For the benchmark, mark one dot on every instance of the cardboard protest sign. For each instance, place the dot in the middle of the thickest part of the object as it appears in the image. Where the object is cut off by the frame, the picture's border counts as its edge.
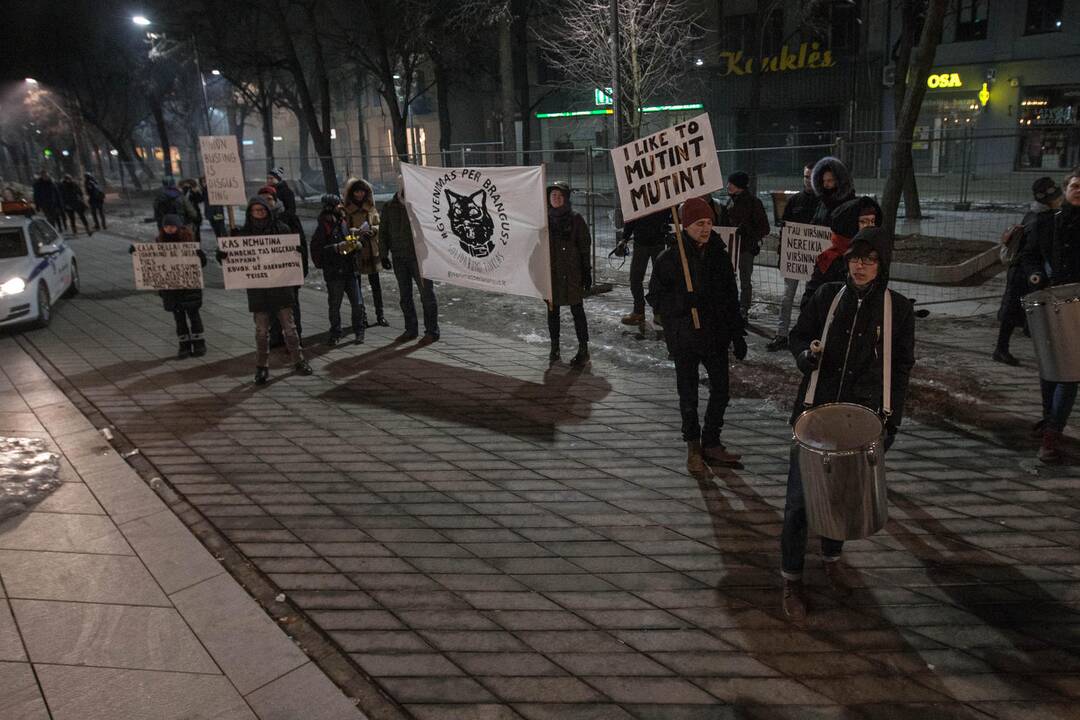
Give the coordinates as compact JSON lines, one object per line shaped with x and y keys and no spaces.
{"x":483,"y":228}
{"x":800,"y":245}
{"x":261,"y":261}
{"x":727,"y":234}
{"x":166,"y":266}
{"x":224,"y":170}
{"x":666,"y":168}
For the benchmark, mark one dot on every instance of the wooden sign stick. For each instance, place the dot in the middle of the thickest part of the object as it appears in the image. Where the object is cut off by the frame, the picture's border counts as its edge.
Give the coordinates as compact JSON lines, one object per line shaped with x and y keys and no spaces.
{"x":232,"y":217}
{"x":685,"y":265}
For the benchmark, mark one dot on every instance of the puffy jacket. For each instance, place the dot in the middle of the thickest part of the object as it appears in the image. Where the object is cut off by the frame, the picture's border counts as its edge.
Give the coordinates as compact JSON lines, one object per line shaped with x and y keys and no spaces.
{"x":830,"y":200}
{"x":357,"y":215}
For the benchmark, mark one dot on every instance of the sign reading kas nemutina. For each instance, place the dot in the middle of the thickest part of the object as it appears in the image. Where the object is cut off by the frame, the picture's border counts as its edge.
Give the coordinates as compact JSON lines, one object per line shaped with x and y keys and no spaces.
{"x":166,"y":266}
{"x":223,"y":168}
{"x":800,"y":245}
{"x":666,"y":168}
{"x":261,"y":261}
{"x":483,"y":228}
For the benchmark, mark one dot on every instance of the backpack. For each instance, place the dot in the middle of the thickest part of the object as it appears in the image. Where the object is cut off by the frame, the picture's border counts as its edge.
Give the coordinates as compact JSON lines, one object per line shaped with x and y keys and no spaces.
{"x":1010,"y":244}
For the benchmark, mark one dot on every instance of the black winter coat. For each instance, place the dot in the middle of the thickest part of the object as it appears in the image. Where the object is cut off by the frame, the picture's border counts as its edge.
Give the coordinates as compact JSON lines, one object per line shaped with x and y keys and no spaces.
{"x":186,"y":298}
{"x":1052,"y":247}
{"x":747,"y":214}
{"x":851,"y":365}
{"x":335,"y":266}
{"x":1016,"y":280}
{"x":801,"y":207}
{"x":72,"y":196}
{"x":571,"y":258}
{"x":716,"y":296}
{"x":651,"y":231}
{"x":287,"y":197}
{"x":268,"y":300}
{"x":47,"y":195}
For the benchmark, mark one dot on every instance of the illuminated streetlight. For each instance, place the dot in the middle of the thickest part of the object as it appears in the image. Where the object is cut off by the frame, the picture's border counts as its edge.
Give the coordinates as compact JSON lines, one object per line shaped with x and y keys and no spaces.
{"x":31,"y":81}
{"x":140,"y":20}
{"x":215,"y":72}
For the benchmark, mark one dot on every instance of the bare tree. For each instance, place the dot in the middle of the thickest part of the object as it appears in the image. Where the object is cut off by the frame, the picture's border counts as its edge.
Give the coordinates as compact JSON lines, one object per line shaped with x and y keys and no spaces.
{"x":656,"y":38}
{"x":914,"y":83}
{"x":912,"y":16}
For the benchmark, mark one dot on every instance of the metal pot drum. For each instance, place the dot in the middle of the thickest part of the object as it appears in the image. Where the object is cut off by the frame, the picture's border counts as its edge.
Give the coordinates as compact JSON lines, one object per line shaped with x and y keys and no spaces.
{"x":841,"y":455}
{"x":1053,"y":317}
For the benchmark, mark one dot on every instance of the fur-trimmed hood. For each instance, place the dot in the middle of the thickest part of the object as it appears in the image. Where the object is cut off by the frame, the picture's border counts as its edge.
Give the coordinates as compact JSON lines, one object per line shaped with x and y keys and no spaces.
{"x":844,"y":189}
{"x":351,"y":185}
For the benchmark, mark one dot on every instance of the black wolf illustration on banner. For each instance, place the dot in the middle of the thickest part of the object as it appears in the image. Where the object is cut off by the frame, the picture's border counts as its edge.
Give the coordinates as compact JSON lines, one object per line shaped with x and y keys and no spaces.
{"x":471,"y":223}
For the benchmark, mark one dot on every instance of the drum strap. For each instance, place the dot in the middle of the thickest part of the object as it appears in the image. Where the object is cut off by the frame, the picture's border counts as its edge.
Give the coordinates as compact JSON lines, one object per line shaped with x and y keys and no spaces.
{"x":886,"y":357}
{"x":811,"y":389}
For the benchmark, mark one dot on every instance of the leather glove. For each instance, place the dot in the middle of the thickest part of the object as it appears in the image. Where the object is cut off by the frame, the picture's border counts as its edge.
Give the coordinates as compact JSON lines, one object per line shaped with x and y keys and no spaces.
{"x":339,"y":248}
{"x":738,"y":345}
{"x":220,"y":255}
{"x":386,"y":264}
{"x":202,"y":257}
{"x":586,"y":278}
{"x":131,"y":249}
{"x":807,"y":361}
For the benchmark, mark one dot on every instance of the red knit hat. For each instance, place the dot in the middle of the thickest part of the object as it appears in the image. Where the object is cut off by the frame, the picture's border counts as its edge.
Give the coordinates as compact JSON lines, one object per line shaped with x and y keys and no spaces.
{"x":268,"y":190}
{"x":695,"y":209}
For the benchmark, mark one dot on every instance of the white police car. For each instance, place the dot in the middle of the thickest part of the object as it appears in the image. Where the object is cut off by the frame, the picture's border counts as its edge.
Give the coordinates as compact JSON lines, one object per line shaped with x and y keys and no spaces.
{"x":37,"y":266}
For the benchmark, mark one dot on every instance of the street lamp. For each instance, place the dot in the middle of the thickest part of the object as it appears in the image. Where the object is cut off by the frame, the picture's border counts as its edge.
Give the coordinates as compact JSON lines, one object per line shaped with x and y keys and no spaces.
{"x":140,"y":20}
{"x":143,"y":21}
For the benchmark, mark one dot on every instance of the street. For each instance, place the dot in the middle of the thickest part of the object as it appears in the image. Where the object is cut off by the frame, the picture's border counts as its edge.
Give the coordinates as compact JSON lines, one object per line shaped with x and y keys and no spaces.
{"x":480,"y":536}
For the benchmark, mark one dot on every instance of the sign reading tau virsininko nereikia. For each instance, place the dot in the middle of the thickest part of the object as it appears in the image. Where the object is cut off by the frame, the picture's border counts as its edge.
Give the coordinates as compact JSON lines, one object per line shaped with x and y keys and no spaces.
{"x":666,"y":168}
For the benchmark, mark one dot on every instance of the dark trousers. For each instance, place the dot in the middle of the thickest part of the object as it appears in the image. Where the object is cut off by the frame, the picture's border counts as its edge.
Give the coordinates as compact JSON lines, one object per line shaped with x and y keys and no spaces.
{"x":336,"y":290}
{"x":71,"y":220}
{"x":188,"y":325}
{"x":376,"y":294}
{"x":746,"y":274}
{"x":581,"y":326}
{"x":639,"y":260}
{"x":407,"y":273}
{"x":1058,"y":399}
{"x":793,"y":535}
{"x":1005,"y":334}
{"x":98,"y":211}
{"x":687,"y":363}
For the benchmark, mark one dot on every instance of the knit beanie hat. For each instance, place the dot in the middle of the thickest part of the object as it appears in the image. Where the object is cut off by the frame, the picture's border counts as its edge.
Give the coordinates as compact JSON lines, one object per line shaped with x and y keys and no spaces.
{"x":268,"y":190}
{"x":1044,"y":189}
{"x":693,"y":210}
{"x":739,"y":179}
{"x":171,"y":219}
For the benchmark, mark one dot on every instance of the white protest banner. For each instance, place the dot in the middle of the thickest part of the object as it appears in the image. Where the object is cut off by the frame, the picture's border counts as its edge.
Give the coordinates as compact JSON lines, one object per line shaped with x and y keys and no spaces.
{"x":166,"y":266}
{"x":261,"y":261}
{"x":665,"y":168}
{"x":223,"y":169}
{"x":800,"y":245}
{"x":727,"y":234}
{"x":483,"y":228}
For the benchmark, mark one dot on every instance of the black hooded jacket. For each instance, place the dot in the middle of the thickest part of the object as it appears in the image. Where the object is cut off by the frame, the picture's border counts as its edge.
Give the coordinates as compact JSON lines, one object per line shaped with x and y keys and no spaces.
{"x":851,"y":364}
{"x":1052,"y":247}
{"x":830,"y":200}
{"x":268,"y":300}
{"x":845,"y":226}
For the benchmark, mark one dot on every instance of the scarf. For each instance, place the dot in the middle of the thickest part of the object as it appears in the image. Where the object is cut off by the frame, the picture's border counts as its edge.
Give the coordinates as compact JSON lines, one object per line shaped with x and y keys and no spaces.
{"x":559,"y":218}
{"x":840,"y":245}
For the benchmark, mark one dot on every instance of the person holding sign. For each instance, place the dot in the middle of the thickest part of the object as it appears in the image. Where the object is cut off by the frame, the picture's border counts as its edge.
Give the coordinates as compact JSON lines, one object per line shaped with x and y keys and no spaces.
{"x":840,"y":334}
{"x":847,"y":220}
{"x":800,"y":208}
{"x":747,"y":214}
{"x":716,"y":301}
{"x":266,"y":303}
{"x":571,"y":270}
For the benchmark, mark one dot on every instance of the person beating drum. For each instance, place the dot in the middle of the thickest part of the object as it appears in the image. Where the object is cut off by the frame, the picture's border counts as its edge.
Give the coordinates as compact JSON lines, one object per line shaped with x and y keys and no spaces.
{"x":850,"y":369}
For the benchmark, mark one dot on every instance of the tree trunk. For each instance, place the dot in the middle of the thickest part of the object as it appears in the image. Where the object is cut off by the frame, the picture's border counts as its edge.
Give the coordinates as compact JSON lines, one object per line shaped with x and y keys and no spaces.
{"x":521,"y":79}
{"x":305,"y":140}
{"x":908,"y":30}
{"x":506,"y":85}
{"x":361,"y":125}
{"x":266,"y":112}
{"x":915,"y":91}
{"x":158,"y":112}
{"x":442,"y":99}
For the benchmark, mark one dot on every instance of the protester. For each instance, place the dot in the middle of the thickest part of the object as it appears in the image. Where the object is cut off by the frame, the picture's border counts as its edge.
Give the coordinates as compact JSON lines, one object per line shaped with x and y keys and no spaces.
{"x":171,"y":201}
{"x":650,"y":235}
{"x":397,"y":241}
{"x":571,"y":271}
{"x":747,"y":214}
{"x":193,"y":194}
{"x":332,"y":251}
{"x":850,"y":370}
{"x":361,"y":215}
{"x":846,"y":221}
{"x":801,"y":208}
{"x":74,"y":203}
{"x":716,"y":298}
{"x":270,"y":194}
{"x":47,"y":199}
{"x":95,"y":195}
{"x":184,"y":304}
{"x":265,"y":303}
{"x":276,"y":179}
{"x":1048,"y":199}
{"x":1052,"y":257}
{"x":831,"y":182}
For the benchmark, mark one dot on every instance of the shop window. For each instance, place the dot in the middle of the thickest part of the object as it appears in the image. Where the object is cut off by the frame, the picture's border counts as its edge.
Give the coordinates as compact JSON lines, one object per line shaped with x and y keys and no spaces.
{"x":1043,"y":16}
{"x":966,"y":21}
{"x":1049,"y":123}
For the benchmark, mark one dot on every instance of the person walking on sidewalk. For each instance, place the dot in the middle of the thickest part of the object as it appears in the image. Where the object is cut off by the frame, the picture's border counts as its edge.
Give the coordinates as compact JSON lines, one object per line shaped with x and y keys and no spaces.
{"x":1052,"y":257}
{"x":1048,"y":199}
{"x":716,"y":299}
{"x":850,"y":370}
{"x":847,"y":220}
{"x":650,"y":235}
{"x":747,"y":214}
{"x":184,"y":304}
{"x":74,"y":204}
{"x":801,"y":208}
{"x":363,"y":219}
{"x":265,"y":303}
{"x":397,"y":241}
{"x":335,"y":253}
{"x":571,"y":271}
{"x":95,"y":196}
{"x":47,"y":199}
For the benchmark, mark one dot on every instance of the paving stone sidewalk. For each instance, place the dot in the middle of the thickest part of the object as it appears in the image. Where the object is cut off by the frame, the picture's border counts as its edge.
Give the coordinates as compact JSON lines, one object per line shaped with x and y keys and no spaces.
{"x":488,"y":538}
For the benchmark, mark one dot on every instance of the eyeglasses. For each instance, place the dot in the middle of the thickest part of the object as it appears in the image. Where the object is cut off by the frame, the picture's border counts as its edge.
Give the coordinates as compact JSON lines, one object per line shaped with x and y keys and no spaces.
{"x":864,"y":261}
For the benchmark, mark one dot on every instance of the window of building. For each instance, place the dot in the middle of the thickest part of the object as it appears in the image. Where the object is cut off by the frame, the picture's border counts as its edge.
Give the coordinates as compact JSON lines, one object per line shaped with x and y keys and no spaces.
{"x":1049,"y":121}
{"x":1043,"y":16}
{"x":966,"y":21}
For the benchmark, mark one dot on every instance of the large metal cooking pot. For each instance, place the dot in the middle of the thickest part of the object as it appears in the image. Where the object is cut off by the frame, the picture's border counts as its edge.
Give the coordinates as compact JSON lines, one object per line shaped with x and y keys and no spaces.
{"x":841,"y":456}
{"x":1053,"y":317}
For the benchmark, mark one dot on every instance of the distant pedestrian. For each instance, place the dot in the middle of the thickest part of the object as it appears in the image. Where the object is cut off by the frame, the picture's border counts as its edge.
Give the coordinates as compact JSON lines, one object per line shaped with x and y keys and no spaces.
{"x":571,"y":271}
{"x":845,"y":221}
{"x":171,"y":201}
{"x":266,"y":303}
{"x":650,"y":235}
{"x":715,"y":297}
{"x":1048,"y":199}
{"x":47,"y":199}
{"x":364,"y":220}
{"x":184,"y":304}
{"x":1052,"y":257}
{"x":74,"y":203}
{"x":801,"y":208}
{"x":832,"y":184}
{"x":95,"y":196}
{"x":747,"y":214}
{"x":334,"y":252}
{"x":397,"y":243}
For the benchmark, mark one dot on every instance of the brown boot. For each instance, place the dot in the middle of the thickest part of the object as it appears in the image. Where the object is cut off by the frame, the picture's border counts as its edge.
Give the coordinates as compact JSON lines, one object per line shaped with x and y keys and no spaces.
{"x":695,"y":463}
{"x":1050,"y":452}
{"x":837,"y":575}
{"x":634,"y":318}
{"x":719,"y":455}
{"x":794,"y":603}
